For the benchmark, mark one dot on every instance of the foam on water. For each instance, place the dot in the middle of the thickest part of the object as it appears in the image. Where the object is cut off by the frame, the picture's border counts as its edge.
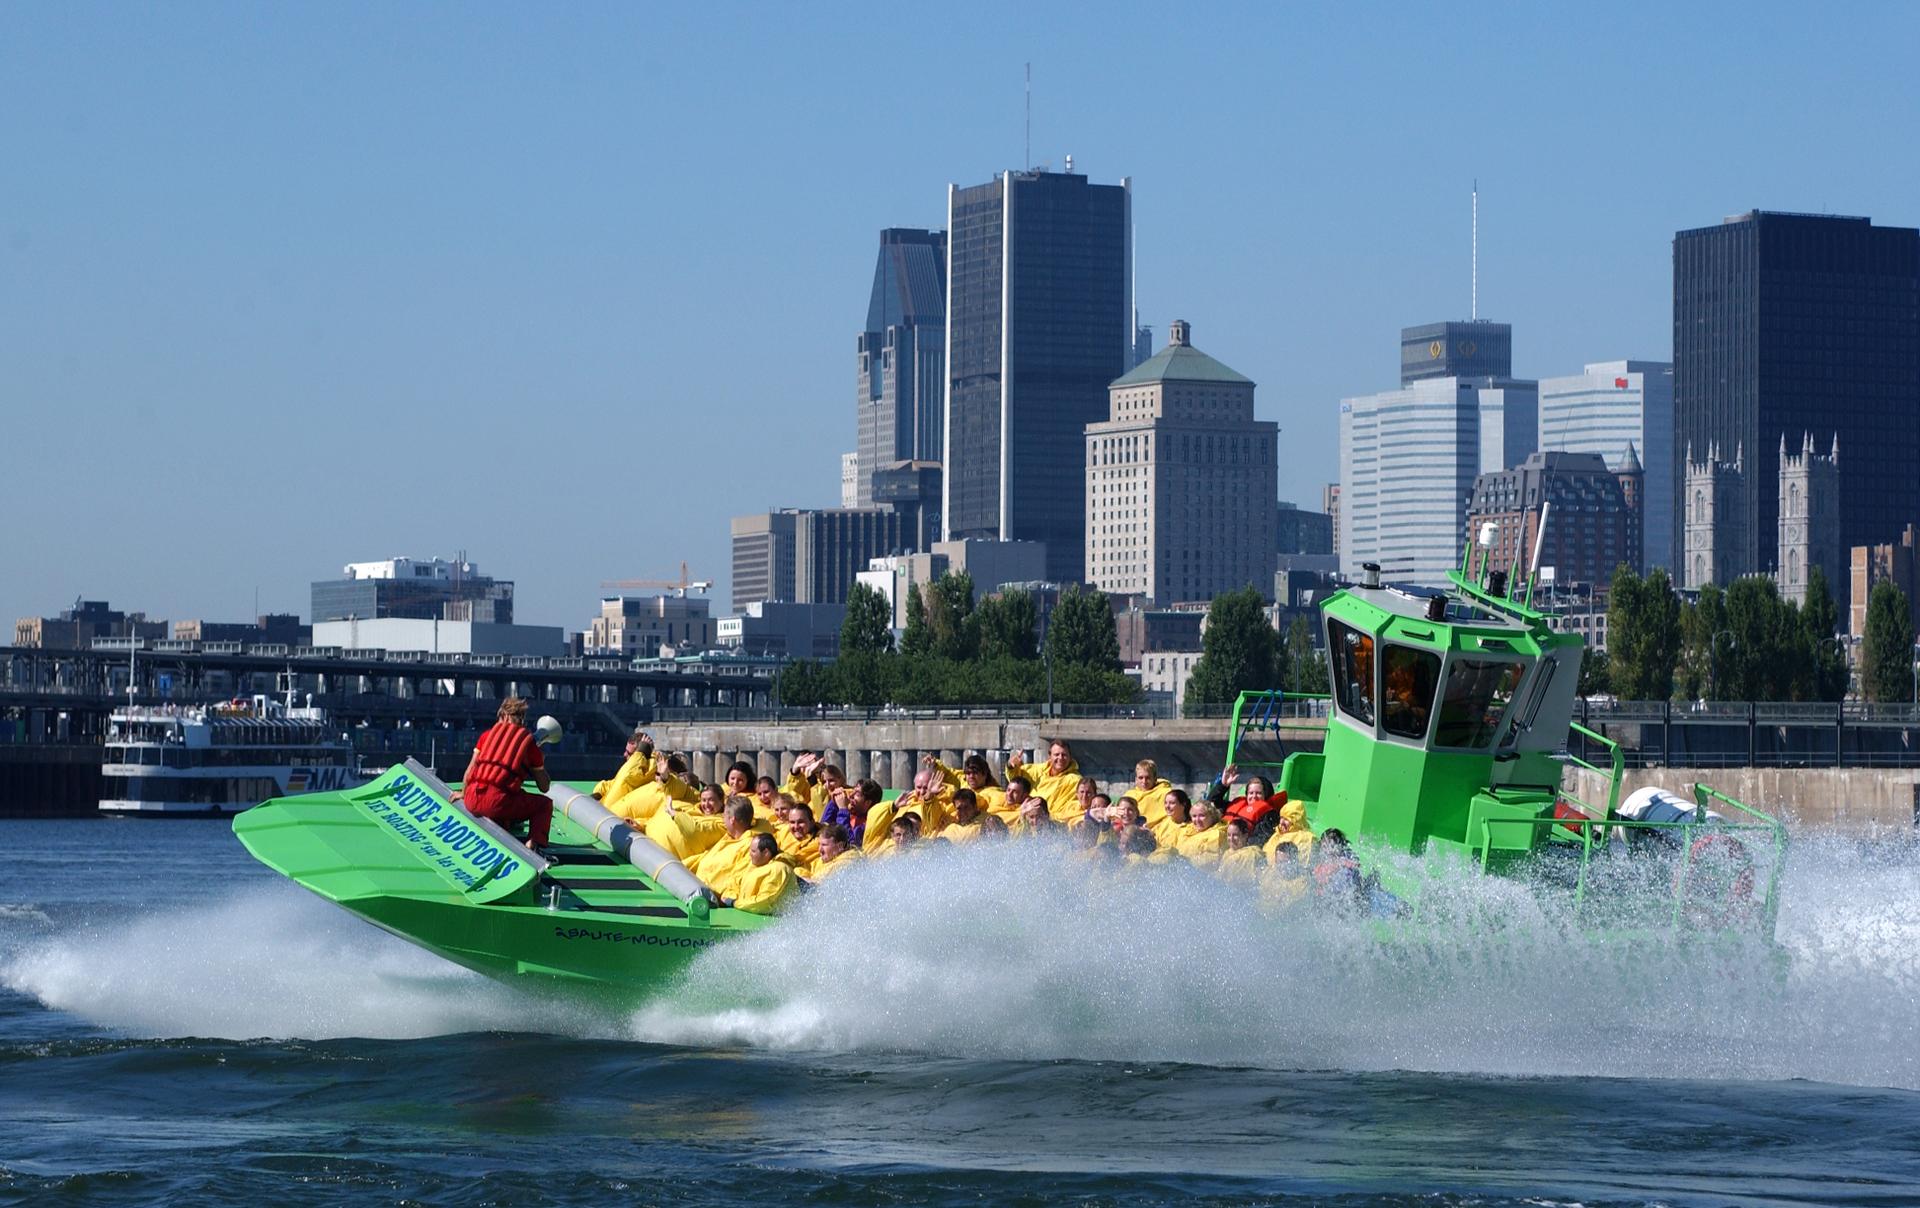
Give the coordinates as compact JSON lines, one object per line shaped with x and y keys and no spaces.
{"x":1013,"y":953}
{"x":1004,"y":954}
{"x":266,"y":961}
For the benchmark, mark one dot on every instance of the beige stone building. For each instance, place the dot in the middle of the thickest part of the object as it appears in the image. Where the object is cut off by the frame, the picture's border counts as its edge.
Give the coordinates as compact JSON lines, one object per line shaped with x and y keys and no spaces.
{"x":1181,"y":481}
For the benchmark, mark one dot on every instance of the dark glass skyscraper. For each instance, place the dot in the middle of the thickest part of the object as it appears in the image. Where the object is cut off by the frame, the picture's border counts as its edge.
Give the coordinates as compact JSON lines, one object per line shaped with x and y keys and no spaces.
{"x":1786,"y":324}
{"x":902,"y":356}
{"x":1039,"y":322}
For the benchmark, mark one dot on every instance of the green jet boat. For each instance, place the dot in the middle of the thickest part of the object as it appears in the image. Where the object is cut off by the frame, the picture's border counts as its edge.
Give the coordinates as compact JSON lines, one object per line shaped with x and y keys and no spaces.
{"x":1445,"y":753}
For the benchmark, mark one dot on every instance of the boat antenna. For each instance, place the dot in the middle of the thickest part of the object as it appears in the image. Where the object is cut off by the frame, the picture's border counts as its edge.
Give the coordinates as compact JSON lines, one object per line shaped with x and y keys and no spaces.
{"x":1475,"y":315}
{"x":1539,"y":540}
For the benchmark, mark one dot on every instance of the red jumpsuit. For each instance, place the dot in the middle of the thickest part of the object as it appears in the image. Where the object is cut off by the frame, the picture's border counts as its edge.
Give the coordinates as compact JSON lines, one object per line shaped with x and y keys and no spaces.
{"x":503,"y":758}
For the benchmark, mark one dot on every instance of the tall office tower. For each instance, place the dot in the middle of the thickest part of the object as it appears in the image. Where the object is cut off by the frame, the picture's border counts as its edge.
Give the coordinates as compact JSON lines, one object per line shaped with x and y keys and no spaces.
{"x":417,"y":588}
{"x":1809,"y":507}
{"x":1142,"y":345}
{"x":1181,"y":481}
{"x":1330,"y":504}
{"x":1797,"y":323}
{"x":1462,"y":349}
{"x":1611,"y":407}
{"x":902,"y":356}
{"x":1716,"y":548}
{"x":1038,"y":323}
{"x":1408,"y":457}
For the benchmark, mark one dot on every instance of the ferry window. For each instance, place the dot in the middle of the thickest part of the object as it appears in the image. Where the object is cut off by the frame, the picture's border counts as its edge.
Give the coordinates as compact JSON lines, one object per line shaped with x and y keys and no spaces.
{"x":1352,"y":654}
{"x":1478,"y":693}
{"x":1406,"y":697}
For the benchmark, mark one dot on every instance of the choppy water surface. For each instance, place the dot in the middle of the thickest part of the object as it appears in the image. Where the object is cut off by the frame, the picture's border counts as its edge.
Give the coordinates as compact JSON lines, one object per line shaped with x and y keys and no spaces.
{"x":178,"y":1024}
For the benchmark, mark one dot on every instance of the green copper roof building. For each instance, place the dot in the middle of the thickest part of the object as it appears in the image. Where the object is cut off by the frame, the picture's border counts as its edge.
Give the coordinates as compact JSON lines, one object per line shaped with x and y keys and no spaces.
{"x":1182,"y":495}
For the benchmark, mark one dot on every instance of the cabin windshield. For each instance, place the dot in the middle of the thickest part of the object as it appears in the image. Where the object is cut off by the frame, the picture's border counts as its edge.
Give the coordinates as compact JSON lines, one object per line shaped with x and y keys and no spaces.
{"x":1476,"y":700}
{"x":1352,"y":654}
{"x":1412,"y":676}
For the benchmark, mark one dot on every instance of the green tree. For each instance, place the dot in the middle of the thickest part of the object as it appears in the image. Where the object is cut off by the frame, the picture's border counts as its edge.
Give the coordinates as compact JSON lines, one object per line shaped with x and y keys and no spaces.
{"x":1886,"y":650}
{"x":1821,"y":617}
{"x":868,"y":628}
{"x":800,"y":684}
{"x":1596,"y":678}
{"x":1643,"y":635}
{"x":1700,"y":621}
{"x":1081,"y":631}
{"x":1238,"y":652}
{"x":1008,"y":626}
{"x":916,"y":639}
{"x":950,"y":617}
{"x":1306,"y":662}
{"x":1758,"y":663}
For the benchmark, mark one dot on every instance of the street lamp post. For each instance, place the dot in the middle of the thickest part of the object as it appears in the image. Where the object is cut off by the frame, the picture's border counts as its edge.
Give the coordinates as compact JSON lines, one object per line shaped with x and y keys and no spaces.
{"x":1713,"y":660}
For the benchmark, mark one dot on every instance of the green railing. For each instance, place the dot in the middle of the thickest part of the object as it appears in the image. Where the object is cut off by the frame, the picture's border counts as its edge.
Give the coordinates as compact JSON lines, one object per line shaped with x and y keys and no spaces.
{"x":1614,"y":777}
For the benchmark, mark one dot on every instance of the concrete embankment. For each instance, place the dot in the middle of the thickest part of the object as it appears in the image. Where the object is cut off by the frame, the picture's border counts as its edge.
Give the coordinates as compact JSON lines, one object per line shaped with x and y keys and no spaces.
{"x":1851,"y":800}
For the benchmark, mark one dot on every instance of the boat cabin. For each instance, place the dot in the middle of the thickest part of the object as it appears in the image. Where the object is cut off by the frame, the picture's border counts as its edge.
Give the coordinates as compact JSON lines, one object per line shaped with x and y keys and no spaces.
{"x":1447,"y":710}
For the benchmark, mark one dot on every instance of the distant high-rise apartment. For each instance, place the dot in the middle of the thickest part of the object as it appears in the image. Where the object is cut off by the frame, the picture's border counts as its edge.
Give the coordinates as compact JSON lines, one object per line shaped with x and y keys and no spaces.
{"x":902,"y":357}
{"x":1408,"y":457}
{"x":1791,"y":324}
{"x":807,"y":556}
{"x":1038,"y":324}
{"x":1587,"y":508}
{"x":1180,"y":481}
{"x":1612,"y":407}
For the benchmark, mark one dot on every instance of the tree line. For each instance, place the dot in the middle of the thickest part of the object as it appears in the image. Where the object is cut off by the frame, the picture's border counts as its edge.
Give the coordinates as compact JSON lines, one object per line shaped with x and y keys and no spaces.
{"x":955,"y":651}
{"x":1747,"y":642}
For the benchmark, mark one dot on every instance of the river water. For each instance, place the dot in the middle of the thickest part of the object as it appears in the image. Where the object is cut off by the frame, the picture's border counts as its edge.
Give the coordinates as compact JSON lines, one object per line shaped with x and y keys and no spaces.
{"x":177,"y":1024}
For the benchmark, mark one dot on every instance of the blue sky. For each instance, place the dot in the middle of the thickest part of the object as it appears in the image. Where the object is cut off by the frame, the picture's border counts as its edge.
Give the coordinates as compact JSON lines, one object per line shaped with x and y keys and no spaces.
{"x":283,"y":287}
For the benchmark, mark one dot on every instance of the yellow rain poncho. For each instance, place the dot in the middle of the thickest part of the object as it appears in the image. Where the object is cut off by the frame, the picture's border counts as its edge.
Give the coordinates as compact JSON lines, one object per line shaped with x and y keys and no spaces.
{"x":767,"y":889}
{"x":1061,"y":790}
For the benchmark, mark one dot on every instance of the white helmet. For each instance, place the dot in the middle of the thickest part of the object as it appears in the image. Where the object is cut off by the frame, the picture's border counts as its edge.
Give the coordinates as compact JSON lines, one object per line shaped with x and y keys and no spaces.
{"x":546,"y":731}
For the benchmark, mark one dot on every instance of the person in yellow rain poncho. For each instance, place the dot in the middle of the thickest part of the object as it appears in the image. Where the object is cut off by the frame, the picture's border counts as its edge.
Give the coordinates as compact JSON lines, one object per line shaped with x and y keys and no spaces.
{"x":1241,"y":862}
{"x":1204,"y":839}
{"x":1057,"y":780}
{"x":977,"y":774}
{"x":971,"y":823}
{"x":1149,"y":791}
{"x":931,"y":798}
{"x":1036,"y":820}
{"x":1285,"y":882}
{"x":642,"y":802}
{"x":815,"y":781}
{"x":769,"y":804}
{"x":739,"y":779}
{"x":1291,"y":831}
{"x":1176,"y":815}
{"x":634,"y":772}
{"x":799,"y":837}
{"x":903,"y":835}
{"x":837,"y":852}
{"x":720,"y":866}
{"x":766,"y":885}
{"x":1089,"y":803}
{"x":687,"y":833}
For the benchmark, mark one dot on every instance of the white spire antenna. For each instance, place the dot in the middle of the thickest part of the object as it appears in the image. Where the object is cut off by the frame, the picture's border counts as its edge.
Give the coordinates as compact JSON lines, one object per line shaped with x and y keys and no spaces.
{"x":1028,"y":161}
{"x":1475,"y":315}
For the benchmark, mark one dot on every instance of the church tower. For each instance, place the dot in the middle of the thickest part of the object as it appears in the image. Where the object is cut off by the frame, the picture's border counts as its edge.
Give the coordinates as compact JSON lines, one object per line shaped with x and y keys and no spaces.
{"x":1809,"y":518}
{"x":1716,"y":533}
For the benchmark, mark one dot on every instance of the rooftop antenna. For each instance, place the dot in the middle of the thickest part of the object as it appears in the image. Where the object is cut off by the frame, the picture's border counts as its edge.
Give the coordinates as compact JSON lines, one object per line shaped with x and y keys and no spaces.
{"x":1028,"y":161}
{"x":1475,"y":316}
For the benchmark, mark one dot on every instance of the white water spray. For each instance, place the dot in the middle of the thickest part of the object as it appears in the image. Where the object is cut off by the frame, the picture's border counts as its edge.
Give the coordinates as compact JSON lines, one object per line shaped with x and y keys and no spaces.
{"x":1010,"y":953}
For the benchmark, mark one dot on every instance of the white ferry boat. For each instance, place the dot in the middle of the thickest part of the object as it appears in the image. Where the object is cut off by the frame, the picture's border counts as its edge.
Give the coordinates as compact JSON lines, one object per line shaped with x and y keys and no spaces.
{"x":213,"y":760}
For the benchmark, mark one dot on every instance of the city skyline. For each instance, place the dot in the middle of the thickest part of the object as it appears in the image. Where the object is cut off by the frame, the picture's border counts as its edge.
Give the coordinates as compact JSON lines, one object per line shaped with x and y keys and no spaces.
{"x":280,"y":283}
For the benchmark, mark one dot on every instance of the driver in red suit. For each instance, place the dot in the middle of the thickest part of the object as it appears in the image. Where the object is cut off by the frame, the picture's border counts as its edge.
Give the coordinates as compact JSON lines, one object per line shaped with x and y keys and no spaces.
{"x":504,"y":757}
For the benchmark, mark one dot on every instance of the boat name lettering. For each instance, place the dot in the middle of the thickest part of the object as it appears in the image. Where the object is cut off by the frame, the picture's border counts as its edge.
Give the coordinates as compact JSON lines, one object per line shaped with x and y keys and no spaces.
{"x":463,"y":844}
{"x":621,"y":937}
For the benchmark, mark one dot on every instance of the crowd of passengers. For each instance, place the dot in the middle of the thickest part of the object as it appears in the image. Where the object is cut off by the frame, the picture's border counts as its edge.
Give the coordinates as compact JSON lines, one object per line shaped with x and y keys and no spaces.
{"x":757,"y":843}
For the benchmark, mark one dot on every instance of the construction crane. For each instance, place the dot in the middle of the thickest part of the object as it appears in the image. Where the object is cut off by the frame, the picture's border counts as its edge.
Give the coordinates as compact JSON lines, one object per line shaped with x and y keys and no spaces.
{"x":680,"y":588}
